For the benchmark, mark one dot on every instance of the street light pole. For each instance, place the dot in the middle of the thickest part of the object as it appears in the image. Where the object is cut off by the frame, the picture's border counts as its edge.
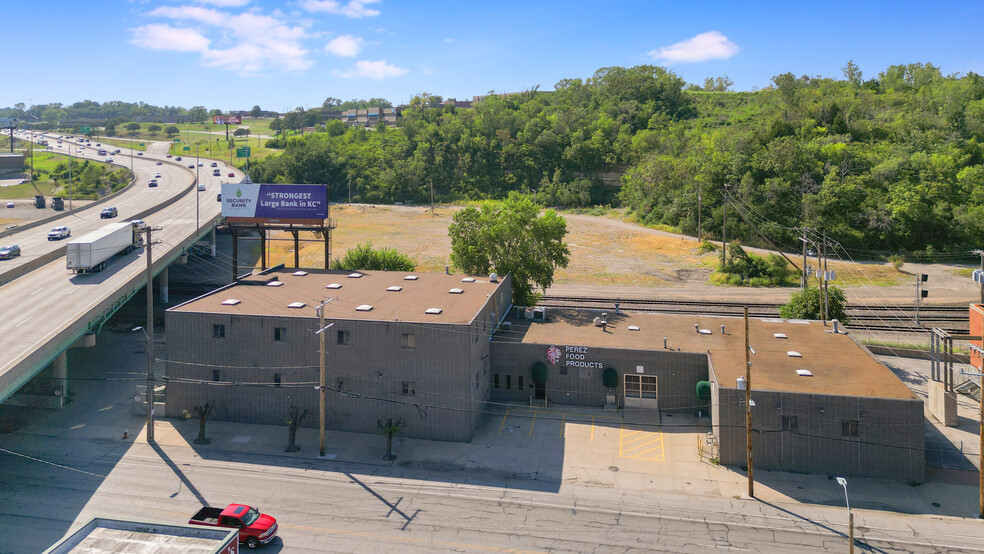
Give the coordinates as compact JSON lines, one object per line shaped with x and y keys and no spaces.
{"x":148,"y":244}
{"x":850,"y":516}
{"x":748,"y":408}
{"x":198,"y":193}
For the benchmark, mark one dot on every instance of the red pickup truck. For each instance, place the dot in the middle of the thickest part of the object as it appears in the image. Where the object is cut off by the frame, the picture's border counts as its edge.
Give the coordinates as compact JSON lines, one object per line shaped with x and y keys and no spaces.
{"x":254,"y":528}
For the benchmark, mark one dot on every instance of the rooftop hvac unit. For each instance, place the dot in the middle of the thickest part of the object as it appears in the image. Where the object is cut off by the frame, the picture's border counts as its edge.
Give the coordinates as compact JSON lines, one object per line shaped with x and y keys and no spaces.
{"x":740,"y":383}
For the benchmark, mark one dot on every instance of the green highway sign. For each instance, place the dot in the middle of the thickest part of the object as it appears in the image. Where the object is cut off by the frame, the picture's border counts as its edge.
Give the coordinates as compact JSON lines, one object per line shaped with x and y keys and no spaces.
{"x":187,"y":148}
{"x":141,"y":144}
{"x":242,"y":152}
{"x":177,"y":140}
{"x":84,"y":129}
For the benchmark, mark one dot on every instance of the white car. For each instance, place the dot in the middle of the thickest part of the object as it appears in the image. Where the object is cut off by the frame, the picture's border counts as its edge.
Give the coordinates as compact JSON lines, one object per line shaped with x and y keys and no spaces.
{"x":60,"y":232}
{"x":11,"y":204}
{"x":157,"y":175}
{"x":201,"y":187}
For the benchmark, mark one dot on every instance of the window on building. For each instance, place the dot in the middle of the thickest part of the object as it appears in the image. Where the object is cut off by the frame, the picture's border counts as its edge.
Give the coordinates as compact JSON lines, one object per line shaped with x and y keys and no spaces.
{"x":790,"y":423}
{"x":508,"y":382}
{"x":276,"y":379}
{"x":849,"y":428}
{"x":343,"y":337}
{"x":519,"y":382}
{"x":408,"y":341}
{"x":409,"y":388}
{"x":218,"y":331}
{"x":279,"y":333}
{"x":216,"y":375}
{"x":495,"y":380}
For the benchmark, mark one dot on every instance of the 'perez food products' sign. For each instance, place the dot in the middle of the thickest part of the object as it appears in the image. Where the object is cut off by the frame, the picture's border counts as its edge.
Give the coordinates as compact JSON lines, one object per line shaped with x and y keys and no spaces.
{"x":574,"y":356}
{"x":276,"y":202}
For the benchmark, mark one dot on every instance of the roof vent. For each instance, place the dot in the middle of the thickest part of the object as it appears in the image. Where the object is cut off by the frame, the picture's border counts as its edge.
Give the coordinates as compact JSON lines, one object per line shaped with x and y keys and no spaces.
{"x":296,"y":305}
{"x":333,"y":286}
{"x":410,"y":278}
{"x":275,"y":284}
{"x":354,"y":275}
{"x":299,"y":273}
{"x":231,"y":302}
{"x":394,"y":289}
{"x":705,"y":331}
{"x":804,"y":373}
{"x":456,"y":291}
{"x":493,"y":278}
{"x":794,"y":354}
{"x":363,"y":308}
{"x":633,"y":327}
{"x":779,"y":335}
{"x":468,"y":280}
{"x":433,"y":311}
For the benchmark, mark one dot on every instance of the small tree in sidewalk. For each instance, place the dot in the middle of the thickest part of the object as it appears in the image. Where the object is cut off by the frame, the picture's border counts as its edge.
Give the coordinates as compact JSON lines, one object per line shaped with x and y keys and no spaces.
{"x":202,"y":412}
{"x":294,"y":419}
{"x":389,"y":428}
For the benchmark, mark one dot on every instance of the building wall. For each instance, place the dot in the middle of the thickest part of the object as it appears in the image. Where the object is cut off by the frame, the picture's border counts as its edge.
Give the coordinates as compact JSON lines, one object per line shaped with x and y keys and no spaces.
{"x":976,"y":319}
{"x":11,"y":162}
{"x":677,"y":374}
{"x":889,"y":442}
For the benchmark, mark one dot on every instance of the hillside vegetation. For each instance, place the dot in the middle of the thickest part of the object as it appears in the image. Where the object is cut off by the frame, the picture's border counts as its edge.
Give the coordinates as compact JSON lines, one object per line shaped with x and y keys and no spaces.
{"x":890,"y":163}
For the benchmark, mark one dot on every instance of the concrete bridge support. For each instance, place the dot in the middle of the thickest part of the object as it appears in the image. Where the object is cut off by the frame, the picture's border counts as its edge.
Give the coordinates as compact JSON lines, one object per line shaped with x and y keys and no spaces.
{"x":60,"y":374}
{"x":163,"y":284}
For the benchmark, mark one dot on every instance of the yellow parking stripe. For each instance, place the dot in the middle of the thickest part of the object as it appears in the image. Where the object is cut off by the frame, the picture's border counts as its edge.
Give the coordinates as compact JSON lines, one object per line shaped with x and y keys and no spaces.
{"x":641,"y":445}
{"x":501,"y":425}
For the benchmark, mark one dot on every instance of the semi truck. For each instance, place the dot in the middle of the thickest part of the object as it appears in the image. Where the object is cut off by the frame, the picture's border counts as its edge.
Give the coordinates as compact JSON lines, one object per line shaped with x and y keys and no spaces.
{"x":254,"y":528}
{"x":89,"y":253}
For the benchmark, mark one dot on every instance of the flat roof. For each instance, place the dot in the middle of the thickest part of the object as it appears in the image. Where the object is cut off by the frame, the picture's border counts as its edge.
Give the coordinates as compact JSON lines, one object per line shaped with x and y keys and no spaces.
{"x":838,"y":364}
{"x":418,"y":293}
{"x":119,"y":536}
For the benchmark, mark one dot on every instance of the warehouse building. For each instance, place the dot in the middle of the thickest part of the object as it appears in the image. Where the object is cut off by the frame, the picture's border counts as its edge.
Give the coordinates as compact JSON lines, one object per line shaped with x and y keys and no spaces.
{"x":435,"y":349}
{"x":408,"y":346}
{"x":822,"y":402}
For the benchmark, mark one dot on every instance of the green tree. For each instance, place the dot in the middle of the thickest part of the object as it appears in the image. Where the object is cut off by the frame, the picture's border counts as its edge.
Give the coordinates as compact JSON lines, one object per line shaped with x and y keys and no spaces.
{"x":853,"y":74}
{"x":256,"y":111}
{"x":241,"y":132}
{"x":198,"y":114}
{"x":153,"y":128}
{"x":171,"y":130}
{"x":806,"y":305}
{"x":294,"y":418}
{"x":510,"y":236}
{"x":389,"y":428}
{"x":133,"y":127}
{"x":364,"y":256}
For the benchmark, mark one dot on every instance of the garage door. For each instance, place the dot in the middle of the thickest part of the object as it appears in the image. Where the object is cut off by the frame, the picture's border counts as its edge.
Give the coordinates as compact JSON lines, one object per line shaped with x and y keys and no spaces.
{"x":640,"y":391}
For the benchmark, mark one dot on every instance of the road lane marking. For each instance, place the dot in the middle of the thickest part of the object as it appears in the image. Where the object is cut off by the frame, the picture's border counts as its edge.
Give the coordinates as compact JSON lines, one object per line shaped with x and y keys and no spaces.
{"x":25,"y":321}
{"x":37,"y":291}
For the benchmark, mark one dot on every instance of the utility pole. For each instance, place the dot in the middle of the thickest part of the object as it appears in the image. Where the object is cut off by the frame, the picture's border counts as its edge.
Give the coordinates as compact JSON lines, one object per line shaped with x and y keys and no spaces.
{"x":826,"y":298}
{"x":805,"y":281}
{"x":724,"y":228}
{"x":323,"y":391}
{"x":699,"y":227}
{"x":748,"y":408}
{"x":978,"y":252}
{"x":350,"y":201}
{"x":148,"y":244}
{"x":198,"y":193}
{"x":432,"y":195}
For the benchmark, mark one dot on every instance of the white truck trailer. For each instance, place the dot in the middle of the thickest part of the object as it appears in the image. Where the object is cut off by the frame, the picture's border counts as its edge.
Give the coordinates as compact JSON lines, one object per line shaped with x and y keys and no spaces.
{"x":89,"y":252}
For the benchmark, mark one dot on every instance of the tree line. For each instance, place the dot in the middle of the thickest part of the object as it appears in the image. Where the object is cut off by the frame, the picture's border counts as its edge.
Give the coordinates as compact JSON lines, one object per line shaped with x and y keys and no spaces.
{"x":890,"y":163}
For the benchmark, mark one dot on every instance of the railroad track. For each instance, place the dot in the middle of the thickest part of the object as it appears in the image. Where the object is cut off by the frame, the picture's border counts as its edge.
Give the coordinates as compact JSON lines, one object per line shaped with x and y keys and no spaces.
{"x":872,"y":318}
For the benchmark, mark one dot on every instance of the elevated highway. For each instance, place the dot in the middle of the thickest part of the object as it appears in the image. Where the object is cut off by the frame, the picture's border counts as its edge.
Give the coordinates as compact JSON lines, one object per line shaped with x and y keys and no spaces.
{"x":46,"y":309}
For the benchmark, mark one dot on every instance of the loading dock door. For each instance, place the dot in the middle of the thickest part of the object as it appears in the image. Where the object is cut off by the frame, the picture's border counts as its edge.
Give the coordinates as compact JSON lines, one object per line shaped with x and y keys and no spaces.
{"x":640,"y":391}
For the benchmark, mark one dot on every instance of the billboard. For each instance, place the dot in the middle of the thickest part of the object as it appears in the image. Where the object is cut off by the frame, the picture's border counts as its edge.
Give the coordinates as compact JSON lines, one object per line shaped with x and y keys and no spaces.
{"x":227,"y":119}
{"x":256,"y":203}
{"x":8,"y":123}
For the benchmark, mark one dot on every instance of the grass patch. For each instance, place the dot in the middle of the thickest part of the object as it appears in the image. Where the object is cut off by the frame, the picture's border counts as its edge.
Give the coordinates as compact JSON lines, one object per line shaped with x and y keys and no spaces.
{"x":25,"y":190}
{"x":964,"y":271}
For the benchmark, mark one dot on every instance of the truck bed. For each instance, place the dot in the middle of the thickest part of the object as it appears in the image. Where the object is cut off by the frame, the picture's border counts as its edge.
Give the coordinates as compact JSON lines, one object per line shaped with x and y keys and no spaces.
{"x":208,"y":515}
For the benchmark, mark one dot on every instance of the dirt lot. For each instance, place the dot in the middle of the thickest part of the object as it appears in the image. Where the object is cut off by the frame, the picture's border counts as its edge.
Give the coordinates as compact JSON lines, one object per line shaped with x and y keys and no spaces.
{"x":614,"y":257}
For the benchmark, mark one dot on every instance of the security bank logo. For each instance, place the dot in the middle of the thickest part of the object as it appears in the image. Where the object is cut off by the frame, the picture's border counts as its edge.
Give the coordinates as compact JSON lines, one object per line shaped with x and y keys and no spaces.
{"x":239,"y":193}
{"x":553,"y":354}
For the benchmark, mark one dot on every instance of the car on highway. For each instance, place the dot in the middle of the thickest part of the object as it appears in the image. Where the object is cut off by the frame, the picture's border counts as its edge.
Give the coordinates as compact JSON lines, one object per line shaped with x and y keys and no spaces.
{"x":231,"y":174}
{"x":201,"y":187}
{"x":109,"y":160}
{"x":192,"y":166}
{"x":152,"y":183}
{"x":216,"y":173}
{"x":214,"y":165}
{"x":140,"y":153}
{"x":10,"y":204}
{"x":9,"y":252}
{"x":157,"y":175}
{"x":178,"y":159}
{"x":97,"y":144}
{"x":108,"y":213}
{"x":200,"y":164}
{"x":160,"y":162}
{"x":139,"y":224}
{"x":60,"y":232}
{"x":168,"y":156}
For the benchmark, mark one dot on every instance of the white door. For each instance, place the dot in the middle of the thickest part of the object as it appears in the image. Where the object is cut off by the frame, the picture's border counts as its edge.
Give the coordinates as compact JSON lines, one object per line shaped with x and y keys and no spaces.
{"x":640,"y":391}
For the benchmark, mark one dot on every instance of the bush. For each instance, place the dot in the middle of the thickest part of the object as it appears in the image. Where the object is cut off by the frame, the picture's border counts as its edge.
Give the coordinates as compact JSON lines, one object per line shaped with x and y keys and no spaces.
{"x":751,"y":270}
{"x":806,"y":305}
{"x":365,"y":257}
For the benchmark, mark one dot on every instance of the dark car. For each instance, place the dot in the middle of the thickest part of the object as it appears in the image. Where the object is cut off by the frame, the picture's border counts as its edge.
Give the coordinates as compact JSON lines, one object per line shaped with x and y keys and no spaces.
{"x":108,"y":213}
{"x":168,"y":156}
{"x":231,"y":174}
{"x":8,"y":252}
{"x":214,"y":165}
{"x":178,"y":159}
{"x":140,"y":153}
{"x":160,"y":162}
{"x":191,"y":166}
{"x":152,"y":183}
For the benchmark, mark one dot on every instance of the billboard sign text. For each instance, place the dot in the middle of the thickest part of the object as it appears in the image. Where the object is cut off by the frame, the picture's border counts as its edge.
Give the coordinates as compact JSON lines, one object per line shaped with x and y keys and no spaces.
{"x":274,"y":202}
{"x":227,"y":119}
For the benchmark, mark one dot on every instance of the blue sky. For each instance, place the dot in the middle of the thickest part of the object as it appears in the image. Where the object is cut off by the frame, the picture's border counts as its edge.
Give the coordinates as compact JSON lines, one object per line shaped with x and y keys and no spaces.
{"x":232,"y":54}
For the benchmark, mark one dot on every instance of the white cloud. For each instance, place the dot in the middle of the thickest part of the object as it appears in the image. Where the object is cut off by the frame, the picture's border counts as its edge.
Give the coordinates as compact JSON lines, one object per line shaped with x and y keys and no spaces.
{"x":225,"y":3}
{"x":165,"y":37}
{"x":378,"y":69}
{"x":248,"y":42}
{"x":352,"y":8}
{"x":345,"y":46}
{"x":449,"y":40}
{"x":705,"y":46}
